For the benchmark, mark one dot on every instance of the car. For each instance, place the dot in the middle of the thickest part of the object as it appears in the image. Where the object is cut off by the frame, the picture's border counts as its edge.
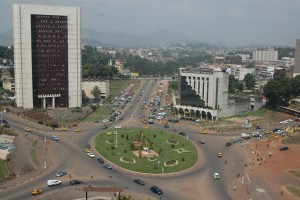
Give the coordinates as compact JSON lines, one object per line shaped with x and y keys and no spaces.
{"x":139,"y":181}
{"x":268,"y":132}
{"x":90,"y":154}
{"x":62,"y":129}
{"x":121,"y":118}
{"x":36,"y":192}
{"x":75,"y":182}
{"x":53,"y":182}
{"x":105,"y":120}
{"x":284,"y":148}
{"x":216,"y":175}
{"x":182,"y":133}
{"x":228,"y":144}
{"x":61,"y":173}
{"x":74,"y":125}
{"x":88,"y":146}
{"x":284,"y":122}
{"x":79,"y":130}
{"x":219,"y":155}
{"x":104,"y":127}
{"x":202,"y":141}
{"x":100,"y":160}
{"x":107,"y":166}
{"x":55,"y":138}
{"x":166,"y":126}
{"x":156,"y":190}
{"x":203,"y":132}
{"x":96,"y":121}
{"x":87,"y":150}
{"x":27,"y":129}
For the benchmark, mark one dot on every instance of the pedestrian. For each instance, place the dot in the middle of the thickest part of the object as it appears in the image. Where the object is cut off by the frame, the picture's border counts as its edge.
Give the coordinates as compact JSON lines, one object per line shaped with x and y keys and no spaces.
{"x":92,"y":176}
{"x":281,"y":193}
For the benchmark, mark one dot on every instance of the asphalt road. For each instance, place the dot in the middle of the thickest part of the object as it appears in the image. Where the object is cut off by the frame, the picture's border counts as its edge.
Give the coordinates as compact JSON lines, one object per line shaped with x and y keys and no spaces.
{"x":67,"y":154}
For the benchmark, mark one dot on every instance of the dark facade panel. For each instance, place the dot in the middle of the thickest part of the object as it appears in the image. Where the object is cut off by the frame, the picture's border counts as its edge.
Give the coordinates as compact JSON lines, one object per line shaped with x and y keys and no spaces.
{"x":49,"y":41}
{"x":188,"y":96}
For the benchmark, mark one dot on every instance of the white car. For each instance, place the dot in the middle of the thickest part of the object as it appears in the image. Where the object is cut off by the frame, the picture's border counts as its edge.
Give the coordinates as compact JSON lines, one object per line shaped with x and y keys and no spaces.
{"x":90,"y":154}
{"x":284,"y":122}
{"x":53,"y":182}
{"x":216,"y":175}
{"x":105,"y":120}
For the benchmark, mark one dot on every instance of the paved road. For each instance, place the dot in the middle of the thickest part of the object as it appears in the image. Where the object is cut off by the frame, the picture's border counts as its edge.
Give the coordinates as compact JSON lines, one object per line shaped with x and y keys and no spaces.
{"x":67,"y":154}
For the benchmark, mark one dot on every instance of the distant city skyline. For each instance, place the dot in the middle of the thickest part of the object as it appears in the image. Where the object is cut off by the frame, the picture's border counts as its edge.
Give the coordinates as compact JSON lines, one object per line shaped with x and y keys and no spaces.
{"x":230,"y":22}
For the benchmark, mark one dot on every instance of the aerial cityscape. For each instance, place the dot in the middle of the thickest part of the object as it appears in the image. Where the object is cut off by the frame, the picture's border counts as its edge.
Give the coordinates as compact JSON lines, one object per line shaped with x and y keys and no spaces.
{"x":106,"y":100}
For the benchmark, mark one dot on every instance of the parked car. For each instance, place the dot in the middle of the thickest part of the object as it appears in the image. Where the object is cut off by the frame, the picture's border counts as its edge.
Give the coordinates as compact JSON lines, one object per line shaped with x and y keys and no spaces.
{"x":75,"y":182}
{"x":88,"y":146}
{"x":100,"y":160}
{"x":139,"y":181}
{"x":51,"y":183}
{"x":284,"y":148}
{"x":219,"y":155}
{"x":36,"y":192}
{"x":61,"y":173}
{"x":90,"y":154}
{"x":55,"y":138}
{"x":216,"y":175}
{"x":156,"y":190}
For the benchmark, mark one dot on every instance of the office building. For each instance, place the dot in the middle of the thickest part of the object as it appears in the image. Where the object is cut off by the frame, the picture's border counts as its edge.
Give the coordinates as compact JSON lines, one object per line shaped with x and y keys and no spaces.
{"x":47,"y":56}
{"x":297,"y":58}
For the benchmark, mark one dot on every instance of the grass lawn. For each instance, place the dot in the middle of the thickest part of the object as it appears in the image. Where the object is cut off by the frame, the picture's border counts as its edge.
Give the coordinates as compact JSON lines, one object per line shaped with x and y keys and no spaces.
{"x":294,"y":190}
{"x":105,"y":145}
{"x":292,"y":140}
{"x":33,"y":155}
{"x":295,"y":172}
{"x":261,"y":117}
{"x":3,"y":170}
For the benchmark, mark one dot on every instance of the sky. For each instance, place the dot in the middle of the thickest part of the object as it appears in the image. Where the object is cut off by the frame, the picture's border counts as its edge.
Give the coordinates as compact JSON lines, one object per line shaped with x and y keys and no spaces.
{"x":231,"y":22}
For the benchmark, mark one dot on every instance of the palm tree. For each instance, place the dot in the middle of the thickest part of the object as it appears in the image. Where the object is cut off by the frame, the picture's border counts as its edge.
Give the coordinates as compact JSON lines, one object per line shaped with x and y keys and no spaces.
{"x":96,"y":92}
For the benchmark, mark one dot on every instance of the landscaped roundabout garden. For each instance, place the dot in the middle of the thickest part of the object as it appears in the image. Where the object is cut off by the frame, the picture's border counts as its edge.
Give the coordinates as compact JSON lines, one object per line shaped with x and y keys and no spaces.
{"x":147,"y":150}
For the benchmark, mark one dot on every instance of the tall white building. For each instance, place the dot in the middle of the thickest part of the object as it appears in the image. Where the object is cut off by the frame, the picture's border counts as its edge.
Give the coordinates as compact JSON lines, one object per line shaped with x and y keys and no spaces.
{"x":297,"y":58}
{"x":267,"y":56}
{"x":47,"y":56}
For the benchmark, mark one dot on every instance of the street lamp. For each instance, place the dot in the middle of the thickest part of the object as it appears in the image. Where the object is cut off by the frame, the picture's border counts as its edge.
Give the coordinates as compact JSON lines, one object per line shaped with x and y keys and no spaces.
{"x":116,"y":127}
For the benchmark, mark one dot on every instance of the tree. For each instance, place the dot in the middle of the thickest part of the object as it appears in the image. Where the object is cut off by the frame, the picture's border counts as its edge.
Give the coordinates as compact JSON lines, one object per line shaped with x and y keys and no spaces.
{"x":278,"y":91}
{"x":96,"y":92}
{"x":296,"y":86}
{"x":249,"y":81}
{"x":124,"y":197}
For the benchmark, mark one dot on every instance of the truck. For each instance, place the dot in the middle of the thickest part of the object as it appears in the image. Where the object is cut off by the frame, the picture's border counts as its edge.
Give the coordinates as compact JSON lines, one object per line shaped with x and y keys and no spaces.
{"x":245,"y":135}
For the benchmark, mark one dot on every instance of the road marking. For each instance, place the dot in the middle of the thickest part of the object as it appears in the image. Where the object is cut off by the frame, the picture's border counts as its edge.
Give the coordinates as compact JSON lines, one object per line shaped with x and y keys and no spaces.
{"x":248,"y":178}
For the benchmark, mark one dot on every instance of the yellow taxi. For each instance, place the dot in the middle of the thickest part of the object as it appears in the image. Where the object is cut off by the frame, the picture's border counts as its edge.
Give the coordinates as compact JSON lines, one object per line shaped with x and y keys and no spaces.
{"x":87,"y":150}
{"x":27,"y":129}
{"x":79,"y":130}
{"x":219,"y":155}
{"x":268,"y":132}
{"x":274,"y":136}
{"x":203,"y":132}
{"x":62,"y":129}
{"x":36,"y":192}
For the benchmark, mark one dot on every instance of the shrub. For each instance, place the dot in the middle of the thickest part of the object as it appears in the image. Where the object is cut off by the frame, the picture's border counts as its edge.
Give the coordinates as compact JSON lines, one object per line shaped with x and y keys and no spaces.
{"x":182,"y":159}
{"x":125,"y":150}
{"x":112,"y":147}
{"x":172,"y":146}
{"x":122,"y":136}
{"x":154,"y":135}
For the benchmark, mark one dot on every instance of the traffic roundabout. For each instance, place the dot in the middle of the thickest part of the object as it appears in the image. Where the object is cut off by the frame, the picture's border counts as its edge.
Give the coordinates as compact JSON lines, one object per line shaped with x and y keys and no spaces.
{"x":149,"y":151}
